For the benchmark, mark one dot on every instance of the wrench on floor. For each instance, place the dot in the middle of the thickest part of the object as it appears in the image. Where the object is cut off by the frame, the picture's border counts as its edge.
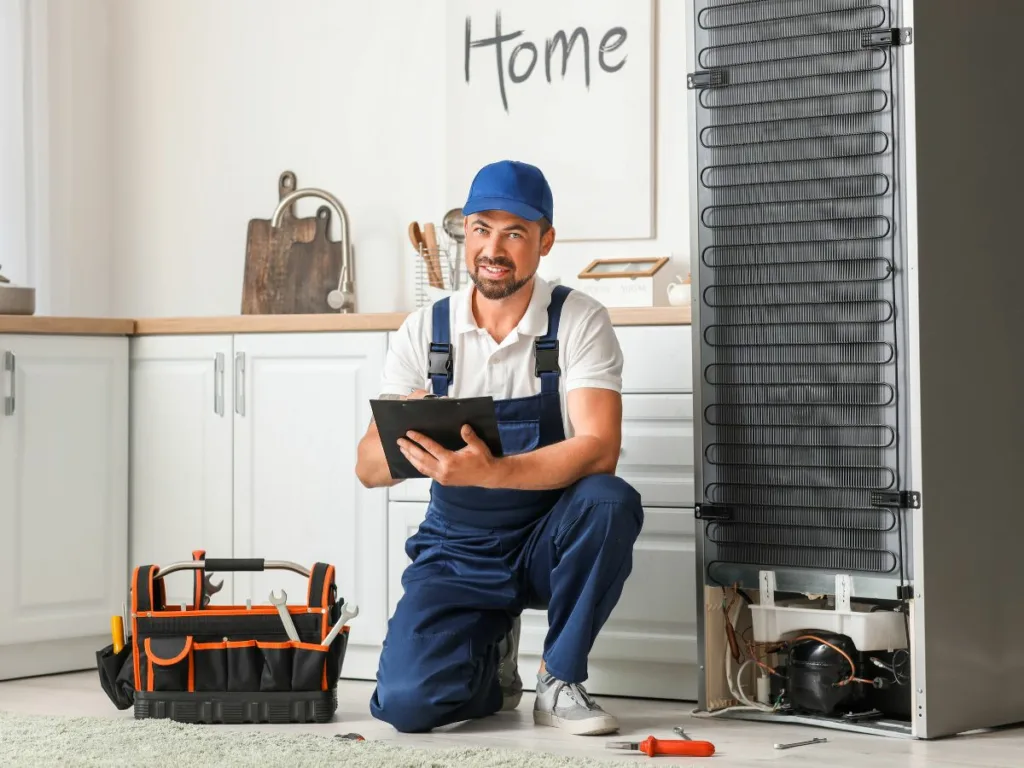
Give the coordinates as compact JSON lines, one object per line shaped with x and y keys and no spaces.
{"x":800,"y":743}
{"x":347,"y":614}
{"x":286,"y":618}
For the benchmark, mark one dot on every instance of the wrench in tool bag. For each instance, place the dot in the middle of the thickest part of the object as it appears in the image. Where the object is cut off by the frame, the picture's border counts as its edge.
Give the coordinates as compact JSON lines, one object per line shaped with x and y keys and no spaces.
{"x":347,"y":614}
{"x":286,"y":618}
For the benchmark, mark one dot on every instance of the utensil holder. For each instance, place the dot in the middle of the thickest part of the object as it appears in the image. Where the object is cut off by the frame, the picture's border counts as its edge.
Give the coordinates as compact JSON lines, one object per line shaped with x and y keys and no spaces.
{"x":453,"y":271}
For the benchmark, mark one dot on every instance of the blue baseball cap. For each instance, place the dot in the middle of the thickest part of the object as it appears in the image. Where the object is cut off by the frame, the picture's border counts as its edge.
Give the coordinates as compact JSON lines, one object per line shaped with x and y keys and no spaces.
{"x":512,"y":186}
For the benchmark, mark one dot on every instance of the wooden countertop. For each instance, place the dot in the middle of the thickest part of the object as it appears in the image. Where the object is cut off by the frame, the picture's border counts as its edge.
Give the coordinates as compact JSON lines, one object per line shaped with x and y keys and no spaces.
{"x":385,"y":321}
{"x":67,"y":326}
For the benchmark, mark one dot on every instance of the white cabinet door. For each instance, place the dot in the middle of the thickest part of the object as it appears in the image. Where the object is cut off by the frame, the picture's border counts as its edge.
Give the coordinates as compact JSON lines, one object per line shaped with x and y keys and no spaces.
{"x":404,"y":520}
{"x":301,"y":403}
{"x":63,"y":499}
{"x":181,"y":455}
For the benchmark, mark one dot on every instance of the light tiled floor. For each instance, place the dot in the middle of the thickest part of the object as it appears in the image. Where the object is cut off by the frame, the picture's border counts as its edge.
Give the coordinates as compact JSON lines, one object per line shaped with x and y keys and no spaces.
{"x":738,"y":744}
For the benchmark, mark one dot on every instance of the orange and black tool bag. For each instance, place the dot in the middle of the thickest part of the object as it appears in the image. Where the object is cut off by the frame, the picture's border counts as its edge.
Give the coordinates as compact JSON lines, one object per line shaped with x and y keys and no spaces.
{"x":227,"y":664}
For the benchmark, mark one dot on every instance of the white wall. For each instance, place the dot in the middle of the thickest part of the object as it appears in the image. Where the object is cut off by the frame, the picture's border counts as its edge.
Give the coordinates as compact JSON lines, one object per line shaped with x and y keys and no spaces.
{"x":13,"y":123}
{"x":56,"y":155}
{"x":172,"y":121}
{"x":75,"y":211}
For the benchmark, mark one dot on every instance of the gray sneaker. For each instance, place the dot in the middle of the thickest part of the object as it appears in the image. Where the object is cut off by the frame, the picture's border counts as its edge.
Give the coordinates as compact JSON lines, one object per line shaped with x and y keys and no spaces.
{"x":569,"y":706}
{"x":508,"y":668}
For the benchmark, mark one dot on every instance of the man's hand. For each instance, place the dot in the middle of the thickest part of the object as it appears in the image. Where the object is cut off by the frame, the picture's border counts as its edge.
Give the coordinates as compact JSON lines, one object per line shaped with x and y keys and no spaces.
{"x":473,"y":464}
{"x":371,"y":464}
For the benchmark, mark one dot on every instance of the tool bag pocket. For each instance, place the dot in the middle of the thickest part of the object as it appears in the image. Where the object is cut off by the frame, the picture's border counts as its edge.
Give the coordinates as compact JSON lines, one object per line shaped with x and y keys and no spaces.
{"x":117,"y":674}
{"x":265,"y":666}
{"x":169,"y":663}
{"x":309,"y":667}
{"x":243,"y":664}
{"x":211,"y":666}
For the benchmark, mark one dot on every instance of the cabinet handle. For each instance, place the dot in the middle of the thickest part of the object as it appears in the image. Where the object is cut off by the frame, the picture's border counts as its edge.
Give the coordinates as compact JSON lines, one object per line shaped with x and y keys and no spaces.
{"x":240,"y":383}
{"x":11,"y":365}
{"x":218,"y":384}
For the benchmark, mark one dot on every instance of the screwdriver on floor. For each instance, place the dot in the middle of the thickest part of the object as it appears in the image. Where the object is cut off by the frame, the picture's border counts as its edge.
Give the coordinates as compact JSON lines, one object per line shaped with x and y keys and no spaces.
{"x":653,"y":747}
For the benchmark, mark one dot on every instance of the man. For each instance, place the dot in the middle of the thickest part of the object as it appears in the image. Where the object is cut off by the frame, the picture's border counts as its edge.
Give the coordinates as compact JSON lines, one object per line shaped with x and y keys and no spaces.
{"x":548,"y":524}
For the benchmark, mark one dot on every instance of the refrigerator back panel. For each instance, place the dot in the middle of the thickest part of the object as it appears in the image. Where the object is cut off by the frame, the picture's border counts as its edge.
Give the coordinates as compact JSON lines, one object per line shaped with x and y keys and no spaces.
{"x":800,"y":377}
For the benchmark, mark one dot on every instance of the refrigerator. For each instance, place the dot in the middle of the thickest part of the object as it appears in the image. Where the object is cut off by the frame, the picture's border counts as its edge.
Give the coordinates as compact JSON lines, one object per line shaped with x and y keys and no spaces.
{"x":857,"y":234}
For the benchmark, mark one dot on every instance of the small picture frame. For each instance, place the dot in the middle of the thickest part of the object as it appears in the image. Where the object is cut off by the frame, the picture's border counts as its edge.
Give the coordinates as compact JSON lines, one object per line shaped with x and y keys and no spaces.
{"x":623,"y":268}
{"x":628,"y":282}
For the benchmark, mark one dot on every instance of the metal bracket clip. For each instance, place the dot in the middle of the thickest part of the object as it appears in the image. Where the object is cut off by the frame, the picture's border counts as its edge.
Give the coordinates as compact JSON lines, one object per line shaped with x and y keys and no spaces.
{"x":898,"y":499}
{"x":712,"y":512}
{"x":886,"y":38}
{"x":715,"y":78}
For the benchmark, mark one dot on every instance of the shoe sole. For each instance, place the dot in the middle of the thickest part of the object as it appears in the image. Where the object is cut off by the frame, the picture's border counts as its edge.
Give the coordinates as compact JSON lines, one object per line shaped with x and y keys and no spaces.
{"x":593,"y":726}
{"x":510,"y":701}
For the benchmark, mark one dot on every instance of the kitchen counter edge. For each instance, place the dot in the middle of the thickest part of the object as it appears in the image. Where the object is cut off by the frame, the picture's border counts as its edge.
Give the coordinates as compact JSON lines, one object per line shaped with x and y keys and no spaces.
{"x":321,"y":323}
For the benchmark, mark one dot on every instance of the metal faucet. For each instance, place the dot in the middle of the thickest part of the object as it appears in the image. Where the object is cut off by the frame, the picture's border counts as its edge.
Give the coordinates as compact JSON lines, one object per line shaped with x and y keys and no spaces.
{"x":343,"y":298}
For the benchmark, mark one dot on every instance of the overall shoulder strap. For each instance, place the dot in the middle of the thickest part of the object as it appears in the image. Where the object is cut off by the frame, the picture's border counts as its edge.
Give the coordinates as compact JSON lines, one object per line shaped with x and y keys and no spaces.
{"x":545,"y":348}
{"x":440,"y":365}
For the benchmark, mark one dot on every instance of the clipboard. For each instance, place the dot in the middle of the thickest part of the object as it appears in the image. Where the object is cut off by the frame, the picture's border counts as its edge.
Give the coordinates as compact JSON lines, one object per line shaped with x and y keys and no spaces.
{"x":439,"y":418}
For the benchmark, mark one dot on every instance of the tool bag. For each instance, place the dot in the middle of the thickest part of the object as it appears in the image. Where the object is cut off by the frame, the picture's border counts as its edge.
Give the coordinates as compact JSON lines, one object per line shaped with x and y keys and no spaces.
{"x":227,"y":664}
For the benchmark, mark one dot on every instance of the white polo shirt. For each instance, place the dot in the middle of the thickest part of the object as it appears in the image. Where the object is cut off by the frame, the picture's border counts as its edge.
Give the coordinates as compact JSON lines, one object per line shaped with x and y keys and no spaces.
{"x":589,"y":354}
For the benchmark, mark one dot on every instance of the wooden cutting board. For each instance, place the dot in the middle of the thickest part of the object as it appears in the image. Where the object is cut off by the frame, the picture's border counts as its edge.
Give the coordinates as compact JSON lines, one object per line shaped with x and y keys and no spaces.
{"x":268,"y":274}
{"x":313,"y":269}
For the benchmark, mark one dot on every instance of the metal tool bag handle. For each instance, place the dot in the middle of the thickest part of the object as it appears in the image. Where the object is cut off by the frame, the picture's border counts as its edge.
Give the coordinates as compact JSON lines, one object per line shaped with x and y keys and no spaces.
{"x":234,"y":564}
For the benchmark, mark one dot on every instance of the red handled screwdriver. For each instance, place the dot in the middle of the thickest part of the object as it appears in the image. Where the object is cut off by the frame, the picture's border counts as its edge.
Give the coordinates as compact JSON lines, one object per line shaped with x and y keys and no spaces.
{"x":653,"y":747}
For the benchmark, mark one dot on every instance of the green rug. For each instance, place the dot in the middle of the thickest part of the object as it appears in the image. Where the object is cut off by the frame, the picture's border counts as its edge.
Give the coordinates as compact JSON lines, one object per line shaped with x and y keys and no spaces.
{"x":27,"y":740}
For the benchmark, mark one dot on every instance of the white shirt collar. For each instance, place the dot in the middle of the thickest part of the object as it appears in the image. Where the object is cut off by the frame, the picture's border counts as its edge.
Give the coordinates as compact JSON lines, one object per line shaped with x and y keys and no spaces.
{"x":533,"y":323}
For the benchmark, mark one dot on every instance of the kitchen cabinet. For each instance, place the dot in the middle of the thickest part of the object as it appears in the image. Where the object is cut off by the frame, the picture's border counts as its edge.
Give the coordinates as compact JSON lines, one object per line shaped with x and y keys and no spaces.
{"x":63,"y":498}
{"x":182,"y":431}
{"x":251,"y":440}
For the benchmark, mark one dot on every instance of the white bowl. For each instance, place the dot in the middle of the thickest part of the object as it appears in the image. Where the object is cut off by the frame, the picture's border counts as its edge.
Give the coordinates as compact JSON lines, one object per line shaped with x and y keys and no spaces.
{"x":17,"y":300}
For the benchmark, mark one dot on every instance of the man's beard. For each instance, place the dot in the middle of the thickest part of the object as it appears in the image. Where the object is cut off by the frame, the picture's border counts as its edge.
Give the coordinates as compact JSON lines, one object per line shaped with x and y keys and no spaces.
{"x":497,"y":289}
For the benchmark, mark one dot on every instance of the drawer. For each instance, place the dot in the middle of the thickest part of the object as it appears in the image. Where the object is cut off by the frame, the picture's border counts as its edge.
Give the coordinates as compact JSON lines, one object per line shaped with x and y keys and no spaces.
{"x":657,"y":456}
{"x":656,"y":358}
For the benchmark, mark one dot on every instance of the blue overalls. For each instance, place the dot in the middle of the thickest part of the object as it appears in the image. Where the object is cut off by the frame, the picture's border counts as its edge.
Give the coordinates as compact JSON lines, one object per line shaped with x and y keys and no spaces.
{"x":483,"y":555}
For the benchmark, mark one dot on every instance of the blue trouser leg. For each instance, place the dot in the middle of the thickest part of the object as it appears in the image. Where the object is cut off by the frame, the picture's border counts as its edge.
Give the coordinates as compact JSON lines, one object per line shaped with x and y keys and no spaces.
{"x":439,"y":663}
{"x":577,"y":561}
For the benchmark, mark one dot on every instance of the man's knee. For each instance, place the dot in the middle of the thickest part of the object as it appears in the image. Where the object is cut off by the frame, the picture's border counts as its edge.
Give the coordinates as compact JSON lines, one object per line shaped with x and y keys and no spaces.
{"x":611,"y":504}
{"x":428,"y":675}
{"x":404,"y":707}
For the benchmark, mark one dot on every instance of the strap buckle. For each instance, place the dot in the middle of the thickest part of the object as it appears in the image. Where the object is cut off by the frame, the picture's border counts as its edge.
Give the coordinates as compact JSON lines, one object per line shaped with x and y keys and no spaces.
{"x":546,"y":354}
{"x":439,"y":361}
